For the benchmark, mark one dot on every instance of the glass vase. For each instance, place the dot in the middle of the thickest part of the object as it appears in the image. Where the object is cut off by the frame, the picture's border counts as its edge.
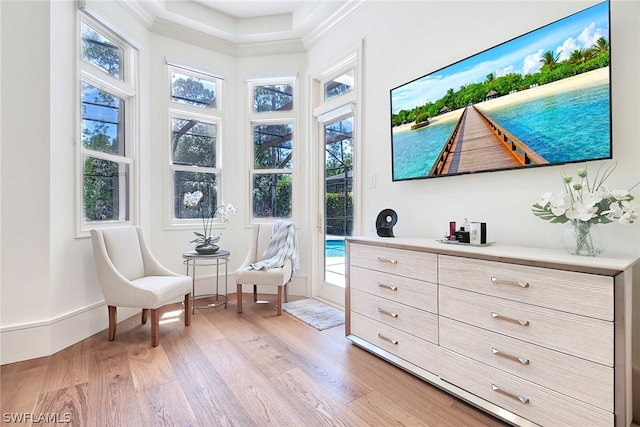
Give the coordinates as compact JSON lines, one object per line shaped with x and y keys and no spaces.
{"x":583,"y":238}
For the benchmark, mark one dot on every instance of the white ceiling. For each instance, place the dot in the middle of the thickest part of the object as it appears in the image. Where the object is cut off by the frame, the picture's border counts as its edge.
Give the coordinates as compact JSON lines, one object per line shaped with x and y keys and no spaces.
{"x":291,"y":24}
{"x":252,"y":9}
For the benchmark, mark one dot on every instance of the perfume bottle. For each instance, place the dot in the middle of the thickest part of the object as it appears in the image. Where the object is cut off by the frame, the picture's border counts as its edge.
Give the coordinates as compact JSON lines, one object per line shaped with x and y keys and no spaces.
{"x":462,"y":235}
{"x":452,"y":230}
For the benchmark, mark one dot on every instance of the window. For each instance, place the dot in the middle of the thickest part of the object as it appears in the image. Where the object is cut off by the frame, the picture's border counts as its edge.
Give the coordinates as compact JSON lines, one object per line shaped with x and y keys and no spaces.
{"x":272,"y":128}
{"x":338,"y":85}
{"x":195,"y":141}
{"x":107,"y":123}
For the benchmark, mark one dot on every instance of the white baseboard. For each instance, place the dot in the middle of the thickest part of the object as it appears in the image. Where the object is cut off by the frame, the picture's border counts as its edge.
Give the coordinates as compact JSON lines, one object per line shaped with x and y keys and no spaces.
{"x":44,"y":338}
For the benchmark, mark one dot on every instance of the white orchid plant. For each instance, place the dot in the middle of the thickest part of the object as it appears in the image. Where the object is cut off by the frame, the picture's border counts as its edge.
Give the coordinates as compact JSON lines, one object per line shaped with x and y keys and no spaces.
{"x":192,"y":200}
{"x":586,"y":202}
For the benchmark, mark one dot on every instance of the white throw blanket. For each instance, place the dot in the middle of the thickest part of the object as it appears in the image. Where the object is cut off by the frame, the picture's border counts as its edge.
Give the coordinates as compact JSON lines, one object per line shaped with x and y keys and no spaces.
{"x":282,"y":246}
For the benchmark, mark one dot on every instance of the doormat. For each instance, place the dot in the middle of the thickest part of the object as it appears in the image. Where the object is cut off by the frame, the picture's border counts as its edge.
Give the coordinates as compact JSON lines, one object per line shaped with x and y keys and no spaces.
{"x":315,"y":313}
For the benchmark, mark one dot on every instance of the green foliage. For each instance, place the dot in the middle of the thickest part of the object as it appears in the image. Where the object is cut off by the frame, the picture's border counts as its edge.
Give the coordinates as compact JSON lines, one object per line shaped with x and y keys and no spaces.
{"x":422,"y":116}
{"x":194,"y":143}
{"x":273,"y":98}
{"x":100,"y":190}
{"x":339,"y":213}
{"x":192,"y":91}
{"x":272,"y":196}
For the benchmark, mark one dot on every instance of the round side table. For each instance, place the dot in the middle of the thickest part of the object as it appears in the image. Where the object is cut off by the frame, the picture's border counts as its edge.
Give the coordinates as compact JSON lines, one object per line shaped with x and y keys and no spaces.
{"x":218,"y":259}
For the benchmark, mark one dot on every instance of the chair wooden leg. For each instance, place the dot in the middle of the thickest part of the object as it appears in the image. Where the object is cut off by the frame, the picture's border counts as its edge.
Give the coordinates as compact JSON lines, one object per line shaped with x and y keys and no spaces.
{"x":145,"y":312}
{"x":113,"y":320}
{"x":155,"y":327}
{"x":239,"y":297}
{"x":279,"y":301}
{"x":255,"y":293}
{"x":286,"y":292}
{"x":187,"y":309}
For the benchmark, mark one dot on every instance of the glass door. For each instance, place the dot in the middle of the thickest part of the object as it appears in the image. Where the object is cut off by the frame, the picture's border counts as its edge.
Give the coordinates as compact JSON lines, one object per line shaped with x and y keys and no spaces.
{"x":338,"y":201}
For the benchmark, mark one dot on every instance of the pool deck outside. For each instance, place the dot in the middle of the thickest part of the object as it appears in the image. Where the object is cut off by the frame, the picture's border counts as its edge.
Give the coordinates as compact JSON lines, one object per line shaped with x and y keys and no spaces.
{"x":334,"y":266}
{"x":334,"y":270}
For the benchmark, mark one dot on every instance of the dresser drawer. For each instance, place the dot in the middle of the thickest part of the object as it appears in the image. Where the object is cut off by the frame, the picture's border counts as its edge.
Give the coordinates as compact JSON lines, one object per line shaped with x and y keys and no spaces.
{"x":578,"y":378}
{"x":417,"y":265}
{"x":538,"y":404}
{"x":580,"y":293}
{"x":409,"y":319}
{"x":406,"y":346}
{"x":588,"y":338}
{"x":416,"y":293}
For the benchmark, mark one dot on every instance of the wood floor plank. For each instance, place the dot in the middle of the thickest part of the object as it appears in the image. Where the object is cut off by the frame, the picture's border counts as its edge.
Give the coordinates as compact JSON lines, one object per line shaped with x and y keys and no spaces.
{"x":64,"y":406}
{"x":334,"y":377}
{"x":149,"y":366}
{"x":383,"y":412}
{"x":251,"y":387}
{"x":203,"y":330}
{"x":208,"y":394}
{"x":313,"y":402}
{"x":20,"y":389}
{"x":67,"y":368}
{"x":249,"y":369}
{"x":111,"y":393}
{"x":166,"y":405}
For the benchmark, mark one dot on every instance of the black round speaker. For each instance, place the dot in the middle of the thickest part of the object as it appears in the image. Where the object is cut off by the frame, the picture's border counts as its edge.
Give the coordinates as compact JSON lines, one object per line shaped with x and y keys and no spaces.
{"x":387,"y":218}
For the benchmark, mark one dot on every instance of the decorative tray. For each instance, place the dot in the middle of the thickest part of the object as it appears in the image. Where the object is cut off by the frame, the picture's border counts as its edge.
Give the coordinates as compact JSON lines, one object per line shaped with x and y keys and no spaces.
{"x":455,"y":242}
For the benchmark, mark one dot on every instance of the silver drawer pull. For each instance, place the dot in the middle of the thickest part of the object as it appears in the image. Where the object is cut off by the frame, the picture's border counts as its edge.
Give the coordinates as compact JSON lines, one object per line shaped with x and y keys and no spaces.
{"x":509,"y":319}
{"x":390,"y":261}
{"x":497,"y":389}
{"x":497,"y":281}
{"x":382,"y":337}
{"x":509,"y":356}
{"x":389,"y":313}
{"x":392,"y":288}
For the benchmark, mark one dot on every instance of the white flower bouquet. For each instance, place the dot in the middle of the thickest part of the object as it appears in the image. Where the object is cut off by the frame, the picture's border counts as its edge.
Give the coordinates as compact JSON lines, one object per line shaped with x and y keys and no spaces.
{"x":585,"y":203}
{"x":192,"y":200}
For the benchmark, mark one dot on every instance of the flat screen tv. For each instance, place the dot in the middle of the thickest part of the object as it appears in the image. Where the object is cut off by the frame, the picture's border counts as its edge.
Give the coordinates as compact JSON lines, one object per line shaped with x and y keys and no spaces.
{"x":540,"y":99}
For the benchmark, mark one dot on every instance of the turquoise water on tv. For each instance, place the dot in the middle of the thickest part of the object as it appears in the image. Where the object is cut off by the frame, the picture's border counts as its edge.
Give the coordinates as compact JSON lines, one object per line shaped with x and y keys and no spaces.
{"x":563,"y":127}
{"x":415,"y":151}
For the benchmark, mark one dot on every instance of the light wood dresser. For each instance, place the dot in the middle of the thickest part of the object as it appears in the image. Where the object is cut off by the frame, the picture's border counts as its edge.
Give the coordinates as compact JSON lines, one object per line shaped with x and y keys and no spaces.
{"x":532,"y":336}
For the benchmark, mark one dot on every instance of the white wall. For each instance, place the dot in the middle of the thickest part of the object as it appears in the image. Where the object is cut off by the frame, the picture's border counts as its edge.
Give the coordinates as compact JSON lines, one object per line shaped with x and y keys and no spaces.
{"x":406,"y":40}
{"x":49,"y":294}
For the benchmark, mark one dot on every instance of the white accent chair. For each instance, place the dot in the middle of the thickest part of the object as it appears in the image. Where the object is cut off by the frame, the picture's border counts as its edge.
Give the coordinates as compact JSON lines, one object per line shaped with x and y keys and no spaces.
{"x":278,"y":276}
{"x":130,"y":276}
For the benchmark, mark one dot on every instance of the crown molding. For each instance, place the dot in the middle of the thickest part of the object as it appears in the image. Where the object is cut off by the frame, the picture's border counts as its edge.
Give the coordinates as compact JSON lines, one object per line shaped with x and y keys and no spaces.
{"x":335,"y":19}
{"x":189,"y":35}
{"x":207,"y":41}
{"x":221,"y":36}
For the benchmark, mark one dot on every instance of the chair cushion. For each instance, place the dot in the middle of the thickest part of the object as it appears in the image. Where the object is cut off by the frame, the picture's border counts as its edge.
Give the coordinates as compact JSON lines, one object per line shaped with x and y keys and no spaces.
{"x":264,"y":237}
{"x":272,"y":276}
{"x":124,"y":251}
{"x":160,"y":290}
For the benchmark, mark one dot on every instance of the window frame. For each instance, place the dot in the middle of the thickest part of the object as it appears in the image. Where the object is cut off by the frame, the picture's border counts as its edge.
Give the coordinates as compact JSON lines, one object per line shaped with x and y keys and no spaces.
{"x":125,"y":88}
{"x":255,"y":118}
{"x":202,"y":114}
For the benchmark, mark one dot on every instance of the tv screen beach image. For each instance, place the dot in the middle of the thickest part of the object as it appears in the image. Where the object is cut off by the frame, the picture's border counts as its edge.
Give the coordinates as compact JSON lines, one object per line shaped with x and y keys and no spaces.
{"x":540,"y":99}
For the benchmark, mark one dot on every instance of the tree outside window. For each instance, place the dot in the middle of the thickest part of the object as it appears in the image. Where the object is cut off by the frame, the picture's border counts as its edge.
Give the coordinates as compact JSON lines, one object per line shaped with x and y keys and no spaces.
{"x":195,"y":141}
{"x":106,"y":158}
{"x":272,"y":129}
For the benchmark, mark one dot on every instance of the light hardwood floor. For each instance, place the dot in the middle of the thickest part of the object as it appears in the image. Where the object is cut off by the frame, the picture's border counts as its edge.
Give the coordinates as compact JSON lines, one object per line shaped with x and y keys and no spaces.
{"x":249,"y":369}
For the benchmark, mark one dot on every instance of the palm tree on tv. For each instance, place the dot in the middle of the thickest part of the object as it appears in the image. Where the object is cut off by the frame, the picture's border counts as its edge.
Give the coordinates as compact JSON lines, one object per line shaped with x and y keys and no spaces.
{"x":600,"y":46}
{"x":549,"y":60}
